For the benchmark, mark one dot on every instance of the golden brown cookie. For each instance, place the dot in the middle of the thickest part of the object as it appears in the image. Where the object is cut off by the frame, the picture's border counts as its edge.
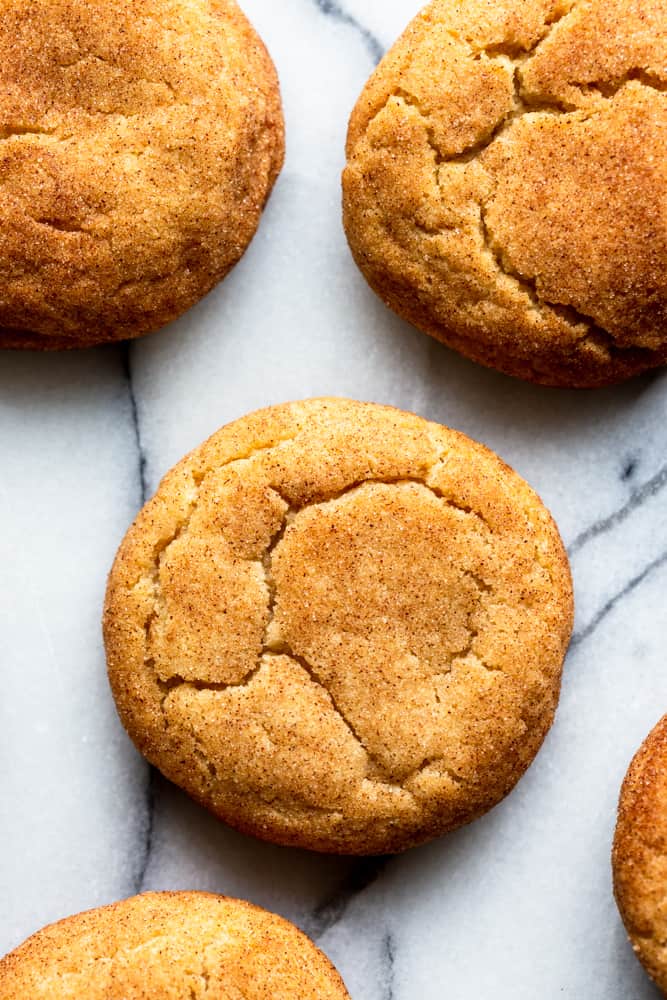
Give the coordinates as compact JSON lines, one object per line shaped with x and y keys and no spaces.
{"x":506,"y":185}
{"x":169,"y":946}
{"x":139,"y":141}
{"x":640,"y":854}
{"x":339,"y":626}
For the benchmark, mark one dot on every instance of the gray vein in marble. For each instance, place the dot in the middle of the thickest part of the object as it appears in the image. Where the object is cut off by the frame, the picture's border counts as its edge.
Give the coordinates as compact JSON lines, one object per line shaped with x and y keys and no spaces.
{"x":363,"y":873}
{"x":629,"y":469}
{"x":151,"y":794}
{"x":389,"y":962}
{"x":647,"y":491}
{"x":141,"y":470}
{"x":334,"y":10}
{"x":126,"y":358}
{"x":607,"y":608}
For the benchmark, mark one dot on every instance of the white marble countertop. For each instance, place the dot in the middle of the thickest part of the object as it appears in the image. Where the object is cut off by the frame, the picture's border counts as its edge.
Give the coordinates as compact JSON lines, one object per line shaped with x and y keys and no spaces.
{"x":517,"y":906}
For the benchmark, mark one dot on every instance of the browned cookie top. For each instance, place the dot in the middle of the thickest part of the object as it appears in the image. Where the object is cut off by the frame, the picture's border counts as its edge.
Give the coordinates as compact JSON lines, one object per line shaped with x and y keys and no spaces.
{"x":506,"y":187}
{"x":340,"y":626}
{"x":139,"y":140}
{"x":640,"y":854}
{"x":168,"y":946}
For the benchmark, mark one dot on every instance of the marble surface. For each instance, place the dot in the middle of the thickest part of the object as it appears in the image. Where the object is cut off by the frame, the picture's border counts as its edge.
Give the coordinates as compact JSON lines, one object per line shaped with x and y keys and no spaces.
{"x":517,"y":906}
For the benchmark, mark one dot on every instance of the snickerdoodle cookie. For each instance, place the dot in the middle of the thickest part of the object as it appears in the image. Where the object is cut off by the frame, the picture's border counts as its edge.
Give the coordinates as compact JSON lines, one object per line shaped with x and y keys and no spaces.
{"x":506,"y":186}
{"x":340,"y":626}
{"x":640,"y":854}
{"x":169,"y":946}
{"x":139,"y":141}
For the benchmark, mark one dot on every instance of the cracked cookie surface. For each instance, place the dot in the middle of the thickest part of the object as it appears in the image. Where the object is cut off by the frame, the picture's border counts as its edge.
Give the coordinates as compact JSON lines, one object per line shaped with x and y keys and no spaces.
{"x":640,"y":854}
{"x":506,"y":184}
{"x":340,"y":626}
{"x":170,"y":946}
{"x":139,"y":141}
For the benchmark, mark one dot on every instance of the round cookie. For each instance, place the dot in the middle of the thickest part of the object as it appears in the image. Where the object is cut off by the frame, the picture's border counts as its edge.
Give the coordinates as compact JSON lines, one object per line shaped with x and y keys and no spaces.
{"x":506,"y":184}
{"x":168,"y":946}
{"x":640,"y":854}
{"x":339,"y":626}
{"x":139,"y":142}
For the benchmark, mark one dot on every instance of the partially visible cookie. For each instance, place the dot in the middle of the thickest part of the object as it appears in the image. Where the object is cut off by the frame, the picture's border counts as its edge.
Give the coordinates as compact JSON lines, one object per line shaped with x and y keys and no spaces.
{"x":640,"y":854}
{"x":169,"y":946}
{"x":340,"y":626}
{"x":506,"y":184}
{"x":139,"y":142}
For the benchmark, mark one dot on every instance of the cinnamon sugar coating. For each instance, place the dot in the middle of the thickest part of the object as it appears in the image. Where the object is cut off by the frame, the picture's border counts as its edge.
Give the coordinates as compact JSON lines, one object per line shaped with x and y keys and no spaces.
{"x":506,"y":184}
{"x":139,"y":141}
{"x":640,"y":854}
{"x":167,"y":946}
{"x":339,"y":626}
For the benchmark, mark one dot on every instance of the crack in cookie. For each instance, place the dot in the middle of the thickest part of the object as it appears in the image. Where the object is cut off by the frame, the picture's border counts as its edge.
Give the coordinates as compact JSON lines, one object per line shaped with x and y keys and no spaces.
{"x":136,"y":158}
{"x":326,"y":631}
{"x":503,"y":185}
